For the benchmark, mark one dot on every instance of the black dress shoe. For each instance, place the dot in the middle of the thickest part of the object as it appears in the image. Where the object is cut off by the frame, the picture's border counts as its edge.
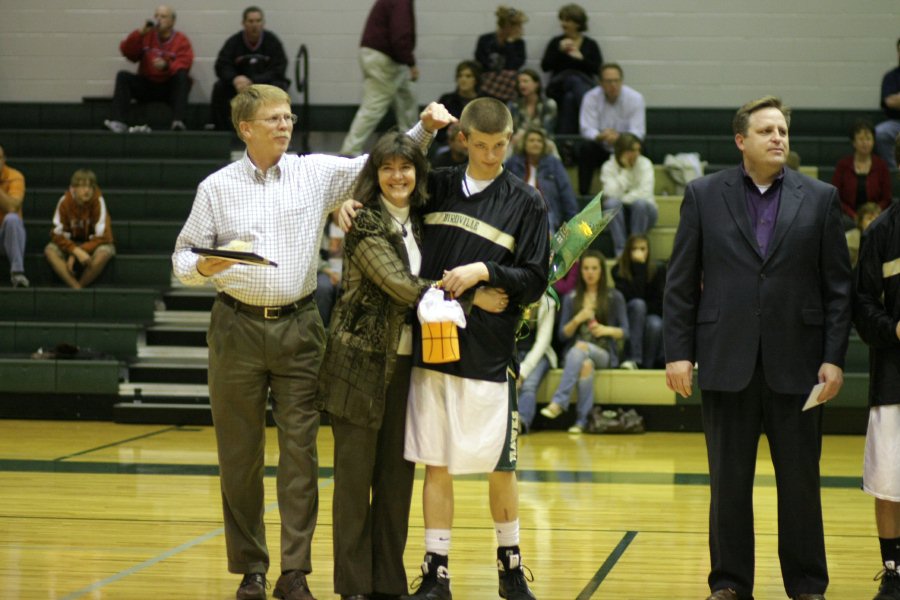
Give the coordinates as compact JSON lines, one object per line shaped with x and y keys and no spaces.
{"x":810,"y":597}
{"x":253,"y":587}
{"x":723,"y":594}
{"x":354,"y":597}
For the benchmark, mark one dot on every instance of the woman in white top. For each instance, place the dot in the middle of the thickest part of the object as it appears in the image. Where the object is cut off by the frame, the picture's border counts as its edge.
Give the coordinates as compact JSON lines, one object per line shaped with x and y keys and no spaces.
{"x":627,"y":179}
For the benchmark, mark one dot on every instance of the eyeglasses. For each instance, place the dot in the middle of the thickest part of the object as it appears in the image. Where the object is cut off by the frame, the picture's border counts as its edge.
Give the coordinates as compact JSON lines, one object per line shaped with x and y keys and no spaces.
{"x":277,"y":119}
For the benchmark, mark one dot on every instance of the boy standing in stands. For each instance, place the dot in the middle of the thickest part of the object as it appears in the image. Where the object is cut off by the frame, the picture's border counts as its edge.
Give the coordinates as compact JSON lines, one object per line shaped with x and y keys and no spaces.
{"x":462,"y":416}
{"x":81,"y":240}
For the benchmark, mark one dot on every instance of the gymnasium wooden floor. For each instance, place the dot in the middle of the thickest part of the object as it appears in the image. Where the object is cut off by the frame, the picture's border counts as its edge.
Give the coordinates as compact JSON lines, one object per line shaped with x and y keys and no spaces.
{"x":99,"y":510}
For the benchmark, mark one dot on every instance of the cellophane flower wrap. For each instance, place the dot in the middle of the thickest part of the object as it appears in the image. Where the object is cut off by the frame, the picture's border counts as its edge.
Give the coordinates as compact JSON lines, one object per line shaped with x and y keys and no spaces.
{"x":568,"y":243}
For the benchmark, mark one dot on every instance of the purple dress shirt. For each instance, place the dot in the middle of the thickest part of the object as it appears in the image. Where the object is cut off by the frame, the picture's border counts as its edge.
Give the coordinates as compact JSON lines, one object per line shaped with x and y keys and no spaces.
{"x":762,"y":208}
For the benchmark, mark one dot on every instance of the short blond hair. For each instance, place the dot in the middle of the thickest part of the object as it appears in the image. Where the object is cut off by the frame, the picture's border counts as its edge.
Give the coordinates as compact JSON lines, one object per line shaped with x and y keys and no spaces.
{"x":487,"y":115}
{"x":245,"y":105}
{"x":741,"y":121}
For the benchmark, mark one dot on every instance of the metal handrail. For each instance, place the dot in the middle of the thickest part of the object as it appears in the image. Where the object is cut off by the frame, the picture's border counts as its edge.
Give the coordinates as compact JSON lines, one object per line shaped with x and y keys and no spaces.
{"x":301,"y":73}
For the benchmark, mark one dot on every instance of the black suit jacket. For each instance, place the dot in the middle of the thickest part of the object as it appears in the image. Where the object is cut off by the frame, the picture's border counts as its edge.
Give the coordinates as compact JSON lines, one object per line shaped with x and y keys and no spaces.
{"x":725,"y":303}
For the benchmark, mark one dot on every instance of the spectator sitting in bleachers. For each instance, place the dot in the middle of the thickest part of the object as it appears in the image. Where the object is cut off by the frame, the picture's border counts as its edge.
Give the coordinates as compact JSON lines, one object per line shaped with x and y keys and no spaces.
{"x":12,"y":227}
{"x":867,"y":213}
{"x":537,"y":167}
{"x":81,"y":241}
{"x":454,"y":153}
{"x":862,"y":176}
{"x":531,"y":108}
{"x":887,"y":131}
{"x":592,"y":320}
{"x":468,"y":86}
{"x":536,"y":356}
{"x":642,"y":282}
{"x":572,"y":59}
{"x":253,"y":55}
{"x":164,"y":58}
{"x":607,"y":111}
{"x":628,"y":180}
{"x":501,"y":54}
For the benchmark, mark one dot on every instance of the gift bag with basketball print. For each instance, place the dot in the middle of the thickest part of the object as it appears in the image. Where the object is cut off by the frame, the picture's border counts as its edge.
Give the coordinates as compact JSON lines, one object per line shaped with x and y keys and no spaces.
{"x":440,"y":317}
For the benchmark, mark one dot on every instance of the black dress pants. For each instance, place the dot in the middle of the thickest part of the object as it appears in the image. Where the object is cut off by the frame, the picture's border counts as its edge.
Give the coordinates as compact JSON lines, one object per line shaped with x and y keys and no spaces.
{"x":732,"y":422}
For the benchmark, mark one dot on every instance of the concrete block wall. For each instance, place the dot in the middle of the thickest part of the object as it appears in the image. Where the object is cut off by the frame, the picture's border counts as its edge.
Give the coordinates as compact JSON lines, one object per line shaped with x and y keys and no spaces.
{"x":679,"y":53}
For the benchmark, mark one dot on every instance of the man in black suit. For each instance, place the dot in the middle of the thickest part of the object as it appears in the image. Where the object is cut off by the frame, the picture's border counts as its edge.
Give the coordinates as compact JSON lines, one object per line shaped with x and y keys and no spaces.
{"x":758,"y":295}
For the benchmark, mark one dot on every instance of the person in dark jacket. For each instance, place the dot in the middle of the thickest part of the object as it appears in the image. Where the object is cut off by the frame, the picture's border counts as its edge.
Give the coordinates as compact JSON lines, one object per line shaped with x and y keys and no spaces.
{"x":501,"y":54}
{"x":573,"y":60}
{"x":642,"y":281}
{"x":537,"y":166}
{"x":253,"y":55}
{"x":876,"y":314}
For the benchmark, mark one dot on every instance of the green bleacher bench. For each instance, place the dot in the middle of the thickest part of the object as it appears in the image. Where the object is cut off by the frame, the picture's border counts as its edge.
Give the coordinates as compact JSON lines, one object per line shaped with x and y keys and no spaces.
{"x":170,"y":173}
{"x":122,"y":204}
{"x":115,"y":339}
{"x":647,"y":387}
{"x":90,"y":304}
{"x":128,"y":270}
{"x":131,"y":237}
{"x":95,"y":143}
{"x":37,"y":376}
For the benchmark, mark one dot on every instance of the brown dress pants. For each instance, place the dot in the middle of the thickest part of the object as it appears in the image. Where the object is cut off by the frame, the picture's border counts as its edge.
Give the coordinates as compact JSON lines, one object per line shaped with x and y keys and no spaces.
{"x":248,"y":356}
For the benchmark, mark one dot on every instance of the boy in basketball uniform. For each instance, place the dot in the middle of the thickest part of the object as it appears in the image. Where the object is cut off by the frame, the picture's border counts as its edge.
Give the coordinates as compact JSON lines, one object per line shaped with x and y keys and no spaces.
{"x":876,"y":314}
{"x":484,"y":226}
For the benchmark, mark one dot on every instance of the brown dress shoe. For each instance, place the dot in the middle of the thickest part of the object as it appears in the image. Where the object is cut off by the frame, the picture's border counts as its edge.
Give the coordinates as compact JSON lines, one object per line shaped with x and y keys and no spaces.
{"x":253,"y":587}
{"x":723,"y":594}
{"x":292,"y":586}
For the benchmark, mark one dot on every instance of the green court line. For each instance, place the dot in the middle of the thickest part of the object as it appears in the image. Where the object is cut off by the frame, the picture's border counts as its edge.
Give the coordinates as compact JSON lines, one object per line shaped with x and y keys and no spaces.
{"x":524,"y":475}
{"x":120,"y":442}
{"x":97,"y":585}
{"x":607,"y":566}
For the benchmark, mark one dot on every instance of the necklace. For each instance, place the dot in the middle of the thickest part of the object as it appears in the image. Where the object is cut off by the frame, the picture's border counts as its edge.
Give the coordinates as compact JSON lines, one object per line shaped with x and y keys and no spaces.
{"x":402,"y":225}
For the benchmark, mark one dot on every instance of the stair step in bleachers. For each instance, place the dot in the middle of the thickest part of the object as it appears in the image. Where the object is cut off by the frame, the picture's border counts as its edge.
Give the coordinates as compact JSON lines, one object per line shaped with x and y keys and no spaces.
{"x":122,"y":203}
{"x":91,"y":304}
{"x":189,"y":299}
{"x":176,"y":335}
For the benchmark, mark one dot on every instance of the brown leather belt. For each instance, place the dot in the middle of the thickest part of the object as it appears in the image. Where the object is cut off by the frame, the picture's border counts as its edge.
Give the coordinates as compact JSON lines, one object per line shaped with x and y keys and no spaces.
{"x":264,"y":312}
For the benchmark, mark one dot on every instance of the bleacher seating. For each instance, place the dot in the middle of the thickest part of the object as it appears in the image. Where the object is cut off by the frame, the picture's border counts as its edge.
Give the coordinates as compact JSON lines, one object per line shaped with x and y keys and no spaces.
{"x":149,"y":182}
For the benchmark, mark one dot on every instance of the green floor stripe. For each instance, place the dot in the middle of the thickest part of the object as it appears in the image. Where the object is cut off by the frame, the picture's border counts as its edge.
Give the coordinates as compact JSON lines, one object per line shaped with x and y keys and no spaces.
{"x":120,"y":442}
{"x":524,"y":475}
{"x":608,"y":565}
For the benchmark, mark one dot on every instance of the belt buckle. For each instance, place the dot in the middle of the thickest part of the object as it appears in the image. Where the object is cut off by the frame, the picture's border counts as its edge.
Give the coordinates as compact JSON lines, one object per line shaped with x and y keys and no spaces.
{"x":271,"y":312}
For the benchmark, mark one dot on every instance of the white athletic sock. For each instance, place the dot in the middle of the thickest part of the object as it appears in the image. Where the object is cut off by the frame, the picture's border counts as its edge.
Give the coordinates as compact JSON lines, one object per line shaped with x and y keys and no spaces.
{"x":437,"y":541}
{"x":507,"y":533}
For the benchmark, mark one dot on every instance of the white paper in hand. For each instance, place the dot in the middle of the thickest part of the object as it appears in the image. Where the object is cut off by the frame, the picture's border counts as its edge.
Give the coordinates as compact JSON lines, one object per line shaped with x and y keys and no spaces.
{"x":813,"y":399}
